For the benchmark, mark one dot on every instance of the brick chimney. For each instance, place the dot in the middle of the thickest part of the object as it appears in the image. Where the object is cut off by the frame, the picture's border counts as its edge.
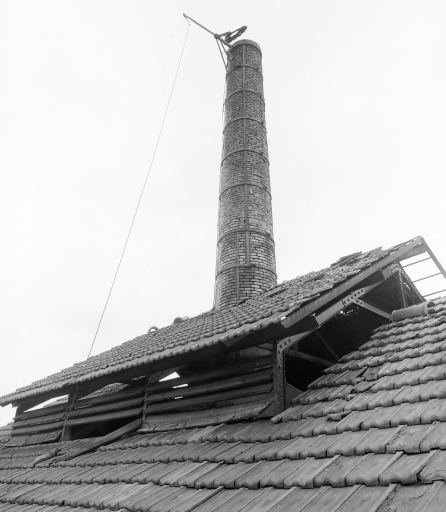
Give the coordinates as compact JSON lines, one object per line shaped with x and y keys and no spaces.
{"x":245,"y":247}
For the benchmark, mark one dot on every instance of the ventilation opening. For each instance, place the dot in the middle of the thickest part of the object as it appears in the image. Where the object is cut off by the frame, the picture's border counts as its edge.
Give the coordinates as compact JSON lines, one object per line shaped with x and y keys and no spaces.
{"x":99,"y":429}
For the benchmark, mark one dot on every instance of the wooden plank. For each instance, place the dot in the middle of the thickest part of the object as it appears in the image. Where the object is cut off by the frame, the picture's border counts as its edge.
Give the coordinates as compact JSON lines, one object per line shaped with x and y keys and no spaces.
{"x":37,"y":428}
{"x":205,"y":417}
{"x":105,"y":417}
{"x":235,"y":382}
{"x":111,"y":397}
{"x":111,"y":406}
{"x":109,"y":438}
{"x":213,"y":374}
{"x":209,"y":399}
{"x":47,"y":437}
{"x":44,"y":411}
{"x":39,"y":420}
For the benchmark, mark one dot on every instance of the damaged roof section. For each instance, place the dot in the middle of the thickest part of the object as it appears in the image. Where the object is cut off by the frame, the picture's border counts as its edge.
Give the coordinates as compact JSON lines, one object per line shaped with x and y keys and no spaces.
{"x":369,"y":435}
{"x":271,"y":312}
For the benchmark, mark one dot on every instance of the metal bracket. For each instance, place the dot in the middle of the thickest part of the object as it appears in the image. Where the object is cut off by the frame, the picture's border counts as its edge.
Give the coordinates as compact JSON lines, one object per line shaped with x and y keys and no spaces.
{"x":374,"y":309}
{"x":395,"y":267}
{"x":351,"y":297}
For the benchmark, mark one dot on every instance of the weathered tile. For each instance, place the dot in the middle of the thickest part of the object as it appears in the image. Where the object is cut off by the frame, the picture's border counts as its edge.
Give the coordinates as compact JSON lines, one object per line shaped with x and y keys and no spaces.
{"x":411,"y":394}
{"x":434,"y":411}
{"x":134,"y":494}
{"x":345,"y":443}
{"x":252,"y":478}
{"x":370,"y":468}
{"x":409,"y":439}
{"x":409,"y":414}
{"x":150,"y":501}
{"x":304,"y":476}
{"x":354,"y":421}
{"x":436,"y":438}
{"x":381,"y":417}
{"x":272,"y":450}
{"x":411,"y":498}
{"x":297,"y":500}
{"x":238,"y":501}
{"x":234,"y":450}
{"x":377,"y":441}
{"x":335,"y":474}
{"x":367,"y":499}
{"x":435,"y":469}
{"x":405,"y":469}
{"x":437,"y":389}
{"x":331,"y":499}
{"x":228,"y":479}
{"x":208,"y":480}
{"x":217,"y":500}
{"x":268,"y":500}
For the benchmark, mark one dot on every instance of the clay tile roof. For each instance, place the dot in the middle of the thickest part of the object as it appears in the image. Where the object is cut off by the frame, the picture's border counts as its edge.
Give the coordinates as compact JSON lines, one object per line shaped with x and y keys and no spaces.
{"x":210,"y":328}
{"x":364,"y":437}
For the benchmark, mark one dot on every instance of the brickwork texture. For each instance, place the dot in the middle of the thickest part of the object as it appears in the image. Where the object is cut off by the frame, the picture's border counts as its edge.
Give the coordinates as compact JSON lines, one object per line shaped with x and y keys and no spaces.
{"x":245,"y":248}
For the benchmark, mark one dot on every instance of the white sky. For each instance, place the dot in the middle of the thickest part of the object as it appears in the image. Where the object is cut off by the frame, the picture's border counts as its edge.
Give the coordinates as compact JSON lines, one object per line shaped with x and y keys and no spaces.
{"x":356,"y":117}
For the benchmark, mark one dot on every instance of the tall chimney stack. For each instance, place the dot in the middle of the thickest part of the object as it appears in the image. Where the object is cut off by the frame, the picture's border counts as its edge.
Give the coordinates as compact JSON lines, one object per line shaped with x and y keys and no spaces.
{"x":246,"y":262}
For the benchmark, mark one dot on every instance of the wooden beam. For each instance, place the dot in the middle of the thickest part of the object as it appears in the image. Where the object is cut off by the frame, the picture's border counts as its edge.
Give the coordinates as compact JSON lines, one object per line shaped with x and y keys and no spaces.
{"x":219,"y":385}
{"x":312,"y":359}
{"x":233,"y":370}
{"x":211,"y":398}
{"x":114,"y":415}
{"x":326,"y":345}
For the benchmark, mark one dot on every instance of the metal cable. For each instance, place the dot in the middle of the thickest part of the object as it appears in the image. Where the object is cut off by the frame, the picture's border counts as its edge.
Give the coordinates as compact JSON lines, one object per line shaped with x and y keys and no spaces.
{"x":132,"y":223}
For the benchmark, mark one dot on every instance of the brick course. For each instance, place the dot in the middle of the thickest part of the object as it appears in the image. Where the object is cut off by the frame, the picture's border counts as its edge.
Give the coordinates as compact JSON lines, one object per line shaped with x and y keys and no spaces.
{"x":245,"y":248}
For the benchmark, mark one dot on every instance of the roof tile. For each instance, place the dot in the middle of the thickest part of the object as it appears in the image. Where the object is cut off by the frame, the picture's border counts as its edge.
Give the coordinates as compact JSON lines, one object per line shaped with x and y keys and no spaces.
{"x":377,"y":441}
{"x":370,"y":468}
{"x":413,"y":498}
{"x":297,"y":500}
{"x":409,"y":414}
{"x":436,"y":439}
{"x":368,"y":499}
{"x":435,"y":469}
{"x":405,"y":469}
{"x":409,"y":439}
{"x":218,"y":500}
{"x":345,"y":443}
{"x":435,"y":410}
{"x":304,"y":476}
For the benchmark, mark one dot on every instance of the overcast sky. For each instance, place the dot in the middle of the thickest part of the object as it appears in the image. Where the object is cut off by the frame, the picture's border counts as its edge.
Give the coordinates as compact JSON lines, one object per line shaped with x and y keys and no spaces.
{"x":356,"y":118}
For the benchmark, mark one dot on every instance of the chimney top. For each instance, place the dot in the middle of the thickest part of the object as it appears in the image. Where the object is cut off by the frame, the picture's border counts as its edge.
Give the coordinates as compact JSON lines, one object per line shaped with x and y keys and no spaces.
{"x":247,"y":41}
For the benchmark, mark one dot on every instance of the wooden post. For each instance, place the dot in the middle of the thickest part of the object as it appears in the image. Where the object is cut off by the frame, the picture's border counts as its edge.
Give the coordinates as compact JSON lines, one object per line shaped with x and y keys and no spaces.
{"x":279,"y":379}
{"x":66,"y":434}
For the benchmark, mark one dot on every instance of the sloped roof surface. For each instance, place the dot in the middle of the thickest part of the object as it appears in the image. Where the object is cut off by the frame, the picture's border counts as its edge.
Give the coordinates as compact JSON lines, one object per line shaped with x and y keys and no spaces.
{"x":5,"y":433}
{"x":367,"y":436}
{"x":208,"y":328}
